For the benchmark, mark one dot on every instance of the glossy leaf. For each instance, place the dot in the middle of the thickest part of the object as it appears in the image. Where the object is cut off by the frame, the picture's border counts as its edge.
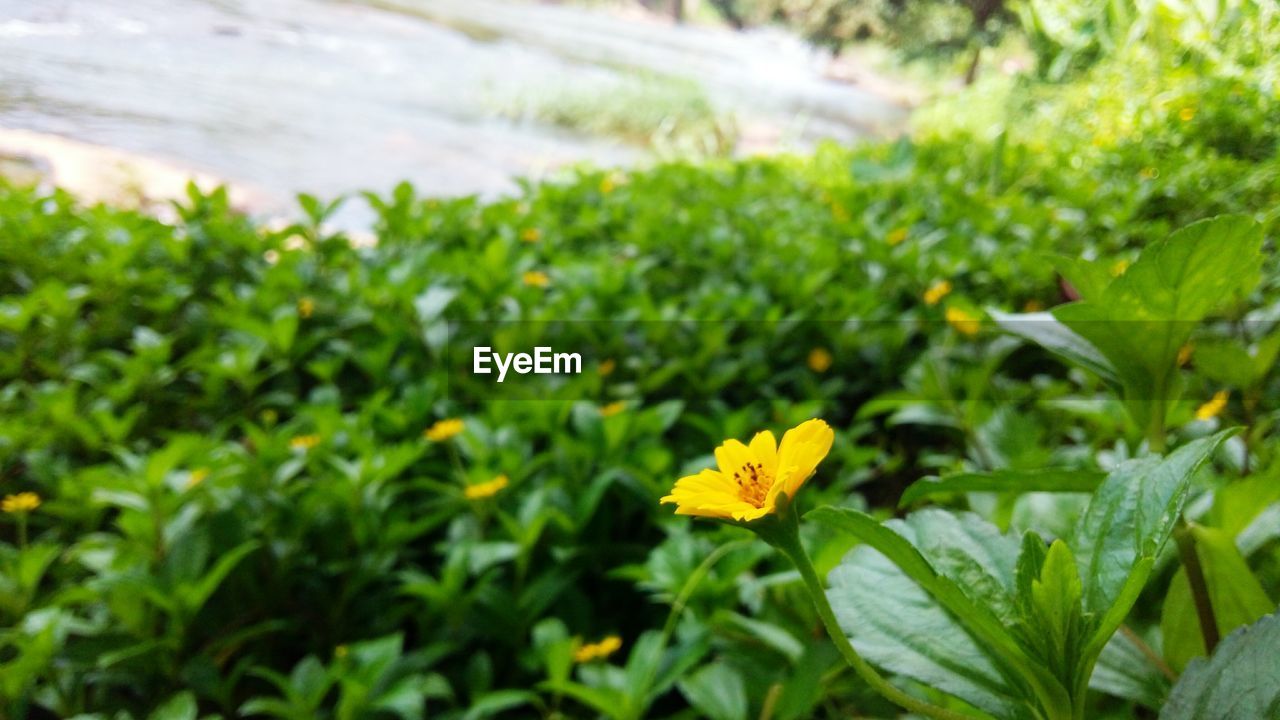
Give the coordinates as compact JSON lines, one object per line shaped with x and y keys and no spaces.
{"x":1127,"y":524}
{"x":1240,"y":682}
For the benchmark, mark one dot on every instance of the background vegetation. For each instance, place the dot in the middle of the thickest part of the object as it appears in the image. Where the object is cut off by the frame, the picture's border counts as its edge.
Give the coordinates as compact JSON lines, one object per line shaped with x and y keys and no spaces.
{"x":229,"y":494}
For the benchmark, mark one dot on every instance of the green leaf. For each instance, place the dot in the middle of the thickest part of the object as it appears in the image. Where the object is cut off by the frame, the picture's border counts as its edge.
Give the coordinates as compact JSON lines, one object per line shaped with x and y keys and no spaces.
{"x":1232,"y":363}
{"x":1051,"y":334}
{"x":769,"y":634}
{"x":179,"y":707}
{"x":802,"y":689}
{"x":897,"y":625}
{"x":1264,"y":528}
{"x":717,"y":692}
{"x":1018,"y":481}
{"x":1126,"y":671}
{"x":643,"y":663}
{"x":495,"y":702}
{"x":606,"y":701}
{"x":1240,"y":682}
{"x":1090,"y":279}
{"x":1051,"y":612}
{"x":1143,"y":318}
{"x":1127,"y":524}
{"x":194,"y":595}
{"x":1234,"y":592}
{"x":931,"y":598}
{"x":1192,"y":273}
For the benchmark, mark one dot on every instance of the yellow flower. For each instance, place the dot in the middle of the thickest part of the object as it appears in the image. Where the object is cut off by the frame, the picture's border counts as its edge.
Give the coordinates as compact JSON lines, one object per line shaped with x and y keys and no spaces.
{"x":607,"y":366}
{"x":1032,"y":305}
{"x":1187,"y":114}
{"x":1184,"y":354}
{"x":444,"y":429}
{"x":306,"y":306}
{"x":1119,"y":267}
{"x":23,"y":502}
{"x":750,"y":478}
{"x":609,"y":183}
{"x":612,"y":408}
{"x":897,"y":236}
{"x":536,"y":278}
{"x":597,"y":650}
{"x":936,"y":292}
{"x":963,"y":321}
{"x":819,"y":360}
{"x":1216,"y":404}
{"x":341,"y":652}
{"x":197,"y":476}
{"x":531,"y":235}
{"x":1148,"y":173}
{"x":269,"y":416}
{"x":304,"y":442}
{"x":483,"y":490}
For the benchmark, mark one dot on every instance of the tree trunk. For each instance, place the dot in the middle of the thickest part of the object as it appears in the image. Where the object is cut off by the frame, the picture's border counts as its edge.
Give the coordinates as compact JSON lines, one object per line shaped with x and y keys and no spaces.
{"x":972,"y":73}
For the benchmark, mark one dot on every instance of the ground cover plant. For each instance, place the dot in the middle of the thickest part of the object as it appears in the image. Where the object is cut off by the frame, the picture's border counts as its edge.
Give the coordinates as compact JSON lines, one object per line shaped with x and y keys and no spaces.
{"x":241,"y":479}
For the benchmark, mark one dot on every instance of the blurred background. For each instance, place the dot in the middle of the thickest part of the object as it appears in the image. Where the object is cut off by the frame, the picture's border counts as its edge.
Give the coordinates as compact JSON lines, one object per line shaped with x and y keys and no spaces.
{"x":457,"y":96}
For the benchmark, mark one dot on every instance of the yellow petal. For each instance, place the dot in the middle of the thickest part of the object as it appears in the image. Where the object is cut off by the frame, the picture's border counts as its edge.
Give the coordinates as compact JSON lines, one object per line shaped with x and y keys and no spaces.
{"x":803,"y":447}
{"x":732,"y":456}
{"x":765,"y":449}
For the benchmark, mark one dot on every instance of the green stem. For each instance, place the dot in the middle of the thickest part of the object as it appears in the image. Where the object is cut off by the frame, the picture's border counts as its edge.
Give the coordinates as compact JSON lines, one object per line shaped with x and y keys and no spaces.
{"x":695,"y":578}
{"x":1187,"y":554}
{"x":1199,"y":588}
{"x":786,"y":538}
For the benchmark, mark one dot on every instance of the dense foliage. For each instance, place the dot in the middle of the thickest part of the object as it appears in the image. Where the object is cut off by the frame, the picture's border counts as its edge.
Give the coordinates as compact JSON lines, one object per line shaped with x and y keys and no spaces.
{"x":242,"y":480}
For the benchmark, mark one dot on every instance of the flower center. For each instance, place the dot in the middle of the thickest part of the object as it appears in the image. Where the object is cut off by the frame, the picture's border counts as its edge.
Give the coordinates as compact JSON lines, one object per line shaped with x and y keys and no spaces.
{"x":753,"y":483}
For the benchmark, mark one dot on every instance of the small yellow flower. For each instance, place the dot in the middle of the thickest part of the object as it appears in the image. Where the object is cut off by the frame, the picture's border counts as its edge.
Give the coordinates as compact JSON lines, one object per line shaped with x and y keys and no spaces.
{"x":1214,"y":407}
{"x":444,"y":429}
{"x":536,"y":278}
{"x":897,"y":236}
{"x":1184,"y":354}
{"x":1187,"y":114}
{"x":820,"y":360}
{"x":197,"y":476}
{"x":23,"y":502}
{"x":751,"y":477}
{"x":1032,"y":305}
{"x":1119,"y":267}
{"x":531,"y":235}
{"x":304,"y":442}
{"x":609,"y":183}
{"x":607,"y":366}
{"x":306,"y":306}
{"x":1148,"y":173}
{"x":269,"y":416}
{"x":963,"y":321}
{"x":936,"y":292}
{"x":483,"y":490}
{"x":597,"y":650}
{"x":612,"y":408}
{"x":341,"y":651}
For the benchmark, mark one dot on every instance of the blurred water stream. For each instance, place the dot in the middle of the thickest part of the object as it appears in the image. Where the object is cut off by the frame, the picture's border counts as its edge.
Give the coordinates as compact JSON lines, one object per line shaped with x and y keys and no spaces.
{"x":328,"y":96}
